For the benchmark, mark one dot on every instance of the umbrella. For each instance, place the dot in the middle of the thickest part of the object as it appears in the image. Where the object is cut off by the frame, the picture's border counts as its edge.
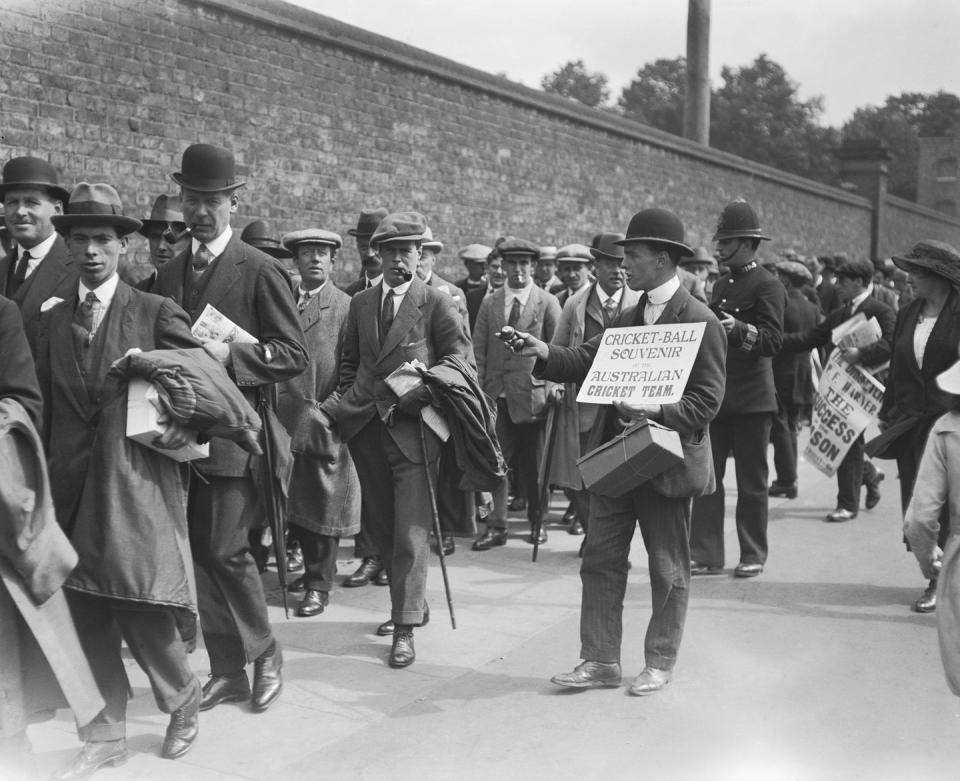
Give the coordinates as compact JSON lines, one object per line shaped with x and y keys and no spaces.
{"x":275,"y":480}
{"x":544,"y":474}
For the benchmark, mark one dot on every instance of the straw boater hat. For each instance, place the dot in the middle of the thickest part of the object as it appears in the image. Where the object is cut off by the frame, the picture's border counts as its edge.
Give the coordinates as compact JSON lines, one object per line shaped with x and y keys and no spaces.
{"x":937,"y":257}
{"x":95,"y":204}
{"x":311,"y":236}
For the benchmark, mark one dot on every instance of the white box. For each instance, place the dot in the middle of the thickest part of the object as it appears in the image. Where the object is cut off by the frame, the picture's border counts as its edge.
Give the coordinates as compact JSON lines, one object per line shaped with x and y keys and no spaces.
{"x":142,"y":423}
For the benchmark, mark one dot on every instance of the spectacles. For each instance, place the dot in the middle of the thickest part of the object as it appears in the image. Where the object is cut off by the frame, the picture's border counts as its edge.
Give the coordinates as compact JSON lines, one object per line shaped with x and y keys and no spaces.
{"x":173,"y":232}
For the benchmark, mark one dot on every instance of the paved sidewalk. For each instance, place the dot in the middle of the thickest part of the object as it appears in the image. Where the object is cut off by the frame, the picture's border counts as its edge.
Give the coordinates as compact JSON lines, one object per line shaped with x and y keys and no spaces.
{"x":815,"y":670}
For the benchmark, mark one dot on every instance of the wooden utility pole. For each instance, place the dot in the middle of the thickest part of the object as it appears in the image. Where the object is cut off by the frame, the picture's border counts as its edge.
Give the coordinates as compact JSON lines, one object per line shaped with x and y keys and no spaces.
{"x":696,"y":109}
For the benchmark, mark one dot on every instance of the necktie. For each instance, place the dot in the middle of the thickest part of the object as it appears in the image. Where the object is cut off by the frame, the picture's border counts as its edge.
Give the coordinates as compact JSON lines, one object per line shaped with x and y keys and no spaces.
{"x":91,"y":313}
{"x":386,"y":316}
{"x":20,"y":272}
{"x":304,"y":300}
{"x":514,"y":313}
{"x":609,"y":311}
{"x":201,"y":259}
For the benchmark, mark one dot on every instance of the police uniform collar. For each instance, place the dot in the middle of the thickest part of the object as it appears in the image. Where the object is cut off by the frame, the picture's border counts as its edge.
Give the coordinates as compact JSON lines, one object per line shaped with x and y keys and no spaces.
{"x":744,"y":268}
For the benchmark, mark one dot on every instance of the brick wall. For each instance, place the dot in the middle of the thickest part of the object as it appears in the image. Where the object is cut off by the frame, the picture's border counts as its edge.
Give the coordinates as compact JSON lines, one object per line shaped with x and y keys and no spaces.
{"x":326,"y":119}
{"x":904,"y":223}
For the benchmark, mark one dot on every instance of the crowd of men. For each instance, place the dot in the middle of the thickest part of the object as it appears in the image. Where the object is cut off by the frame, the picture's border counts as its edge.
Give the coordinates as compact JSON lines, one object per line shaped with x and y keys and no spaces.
{"x":156,"y":550}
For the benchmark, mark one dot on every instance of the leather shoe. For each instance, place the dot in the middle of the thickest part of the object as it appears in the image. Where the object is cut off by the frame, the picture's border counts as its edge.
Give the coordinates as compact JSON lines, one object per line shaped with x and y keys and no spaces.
{"x":298,"y":585}
{"x":294,"y":559}
{"x":267,"y":682}
{"x":183,"y":728}
{"x":448,"y":545}
{"x":491,"y":538}
{"x":840,"y":515}
{"x":532,"y":539}
{"x":928,"y":599}
{"x":702,"y":568}
{"x":744,"y":571}
{"x":517,"y":504}
{"x":367,"y":570}
{"x":386,"y":628}
{"x":382,"y":578}
{"x":92,"y":757}
{"x":575,"y":527}
{"x":225,"y":688}
{"x":590,"y":675}
{"x":650,"y":680}
{"x":402,"y":654}
{"x":873,"y":491}
{"x":313,"y":603}
{"x":779,"y":489}
{"x":569,"y":516}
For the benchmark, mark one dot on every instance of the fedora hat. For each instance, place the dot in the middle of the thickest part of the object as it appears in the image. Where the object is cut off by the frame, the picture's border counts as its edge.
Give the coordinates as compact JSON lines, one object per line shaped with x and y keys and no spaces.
{"x":311,"y":236}
{"x":606,"y":246}
{"x":257,"y":234}
{"x":367,"y":222}
{"x":656,"y":226}
{"x":430,"y":243}
{"x":165,"y":211}
{"x":32,"y":172}
{"x":400,"y":226}
{"x":95,"y":204}
{"x":938,"y":257}
{"x":574,"y":253}
{"x":738,"y":220}
{"x":207,"y":169}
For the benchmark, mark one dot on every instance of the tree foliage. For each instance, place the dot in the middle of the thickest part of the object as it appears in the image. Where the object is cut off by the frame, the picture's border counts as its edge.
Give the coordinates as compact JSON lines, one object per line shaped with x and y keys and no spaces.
{"x":573,"y":81}
{"x":655,"y":97}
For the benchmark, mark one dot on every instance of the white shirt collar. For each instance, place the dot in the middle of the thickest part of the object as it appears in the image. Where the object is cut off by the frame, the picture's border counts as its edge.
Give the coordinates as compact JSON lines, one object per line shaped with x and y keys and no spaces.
{"x":104,"y":293}
{"x":39,"y":252}
{"x":312,"y":293}
{"x":217,"y":246}
{"x":398,"y":291}
{"x":603,"y":297}
{"x":855,"y":303}
{"x":663,"y":293}
{"x":372,"y":282}
{"x":522,"y":293}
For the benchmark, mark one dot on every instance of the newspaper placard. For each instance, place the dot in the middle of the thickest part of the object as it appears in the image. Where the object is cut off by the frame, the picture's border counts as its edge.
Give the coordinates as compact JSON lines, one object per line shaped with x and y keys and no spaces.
{"x":643,"y":363}
{"x":213,"y":324}
{"x":847,"y":401}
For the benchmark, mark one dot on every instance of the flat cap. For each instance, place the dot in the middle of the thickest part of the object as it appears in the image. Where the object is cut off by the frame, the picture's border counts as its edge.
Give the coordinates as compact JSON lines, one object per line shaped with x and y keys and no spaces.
{"x":400,"y":226}
{"x":574,"y":253}
{"x":474,"y":252}
{"x":311,"y":236}
{"x":511,"y":245}
{"x":855,"y":267}
{"x":795,"y":269}
{"x":548,"y":252}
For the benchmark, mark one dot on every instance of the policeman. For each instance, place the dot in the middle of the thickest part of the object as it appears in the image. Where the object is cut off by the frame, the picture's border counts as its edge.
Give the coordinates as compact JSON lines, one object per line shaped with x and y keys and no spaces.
{"x":749,"y":302}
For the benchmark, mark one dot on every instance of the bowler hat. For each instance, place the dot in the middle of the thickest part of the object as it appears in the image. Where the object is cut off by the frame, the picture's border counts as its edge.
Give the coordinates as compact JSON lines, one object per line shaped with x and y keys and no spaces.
{"x":258,"y":235}
{"x":656,"y":226}
{"x":606,"y":246}
{"x":861,"y":268}
{"x":430,"y":243}
{"x":32,"y":172}
{"x":574,"y":253}
{"x":207,"y":169}
{"x":474,"y":253}
{"x":166,"y":210}
{"x":511,"y":245}
{"x":937,"y":257}
{"x":400,"y":226}
{"x":548,"y":252}
{"x":311,"y":236}
{"x":738,"y":220}
{"x":95,"y":204}
{"x":367,"y":223}
{"x":795,"y":269}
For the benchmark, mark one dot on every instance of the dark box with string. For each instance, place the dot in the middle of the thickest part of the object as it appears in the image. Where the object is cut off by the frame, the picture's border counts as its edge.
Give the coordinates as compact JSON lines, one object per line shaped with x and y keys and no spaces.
{"x":640,"y":452}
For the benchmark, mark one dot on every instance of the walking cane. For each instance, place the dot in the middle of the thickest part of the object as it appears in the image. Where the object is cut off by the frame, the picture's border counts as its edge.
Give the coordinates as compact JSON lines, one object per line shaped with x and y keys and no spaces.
{"x":545,"y":476}
{"x":436,"y":525}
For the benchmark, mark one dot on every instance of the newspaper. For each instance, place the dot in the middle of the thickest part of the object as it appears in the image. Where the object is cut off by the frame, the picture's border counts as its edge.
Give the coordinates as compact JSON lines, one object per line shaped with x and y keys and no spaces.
{"x":405,"y":378}
{"x":214,"y":325}
{"x":857,"y":332}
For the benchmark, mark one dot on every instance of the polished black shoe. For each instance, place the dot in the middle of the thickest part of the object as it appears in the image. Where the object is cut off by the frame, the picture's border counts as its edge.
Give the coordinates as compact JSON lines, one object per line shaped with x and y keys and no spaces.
{"x":313,"y":603}
{"x":294,"y":559}
{"x":649,"y":681}
{"x":873,"y":491}
{"x":531,"y":538}
{"x":92,"y":757}
{"x":382,"y":578}
{"x":747,"y":570}
{"x":402,"y":654}
{"x":449,"y":545}
{"x":517,"y":504}
{"x":491,"y":538}
{"x":225,"y":688}
{"x":569,"y":516}
{"x":183,"y":728}
{"x":367,"y":570}
{"x":298,"y":585}
{"x":575,"y":527}
{"x":267,"y":681}
{"x":386,"y":628}
{"x":786,"y":491}
{"x":928,"y":599}
{"x":701,"y":568}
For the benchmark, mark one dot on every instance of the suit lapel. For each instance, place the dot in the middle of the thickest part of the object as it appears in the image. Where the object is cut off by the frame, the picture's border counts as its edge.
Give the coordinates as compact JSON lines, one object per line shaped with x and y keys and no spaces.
{"x":225,"y":273}
{"x":674,"y":307}
{"x":531,"y":312}
{"x":496,"y":305}
{"x":408,"y":313}
{"x":592,"y":307}
{"x":119,"y":328}
{"x":315,"y":306}
{"x":46,"y":277}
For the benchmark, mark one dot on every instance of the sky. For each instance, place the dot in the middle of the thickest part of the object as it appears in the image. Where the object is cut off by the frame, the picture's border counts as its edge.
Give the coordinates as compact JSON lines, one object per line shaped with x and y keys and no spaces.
{"x":851,"y":52}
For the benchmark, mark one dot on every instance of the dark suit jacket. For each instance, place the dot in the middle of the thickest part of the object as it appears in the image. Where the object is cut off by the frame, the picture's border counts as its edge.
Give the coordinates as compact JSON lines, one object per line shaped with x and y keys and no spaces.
{"x":792,"y":375}
{"x":446,"y":286}
{"x":427,"y":327}
{"x":248,"y":287}
{"x":690,"y":417}
{"x":356,"y":286}
{"x":829,"y":296}
{"x":18,"y":375}
{"x":503,"y":371}
{"x":57,"y":275}
{"x":474,"y":299}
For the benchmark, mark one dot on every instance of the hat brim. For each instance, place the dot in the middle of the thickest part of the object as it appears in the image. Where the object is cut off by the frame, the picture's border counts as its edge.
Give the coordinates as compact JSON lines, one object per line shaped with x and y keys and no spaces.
{"x":724,"y":235}
{"x":950,"y":273}
{"x":147,"y":225}
{"x":124,"y":225}
{"x":59,"y":193}
{"x":206,"y":187}
{"x":601,"y":255}
{"x":280,"y":253}
{"x":388,"y":240}
{"x":687,"y":251}
{"x":434,"y":245}
{"x":293,"y":245}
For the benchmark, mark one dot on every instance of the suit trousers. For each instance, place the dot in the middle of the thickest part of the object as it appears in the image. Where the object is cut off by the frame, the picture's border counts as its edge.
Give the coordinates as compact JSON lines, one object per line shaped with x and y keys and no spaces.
{"x":150,"y":632}
{"x":850,"y":477}
{"x":523,"y":441}
{"x":363,"y":545}
{"x":783,"y":436}
{"x":455,"y":506}
{"x":665,"y":527}
{"x":319,"y":557}
{"x":233,"y":609}
{"x":747,"y":438}
{"x":397,"y":496}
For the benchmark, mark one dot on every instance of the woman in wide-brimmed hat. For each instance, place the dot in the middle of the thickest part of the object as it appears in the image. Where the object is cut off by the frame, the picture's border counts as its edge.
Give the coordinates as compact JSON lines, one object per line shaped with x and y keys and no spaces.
{"x":924,"y":345}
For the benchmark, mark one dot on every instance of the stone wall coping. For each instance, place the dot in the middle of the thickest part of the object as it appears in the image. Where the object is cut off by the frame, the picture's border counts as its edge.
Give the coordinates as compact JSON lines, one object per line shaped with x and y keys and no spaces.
{"x":922,"y":211}
{"x":302,"y":22}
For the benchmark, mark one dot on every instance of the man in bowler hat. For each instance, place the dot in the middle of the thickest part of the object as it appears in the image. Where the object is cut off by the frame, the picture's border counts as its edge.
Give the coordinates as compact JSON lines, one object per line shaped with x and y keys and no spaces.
{"x":248,"y":287}
{"x":43,"y":269}
{"x":750,"y":303}
{"x":653,"y":245}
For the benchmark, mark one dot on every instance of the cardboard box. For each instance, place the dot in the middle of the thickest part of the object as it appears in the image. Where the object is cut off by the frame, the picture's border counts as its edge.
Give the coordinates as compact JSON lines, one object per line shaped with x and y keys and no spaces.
{"x":142,"y":423}
{"x":642,"y":451}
